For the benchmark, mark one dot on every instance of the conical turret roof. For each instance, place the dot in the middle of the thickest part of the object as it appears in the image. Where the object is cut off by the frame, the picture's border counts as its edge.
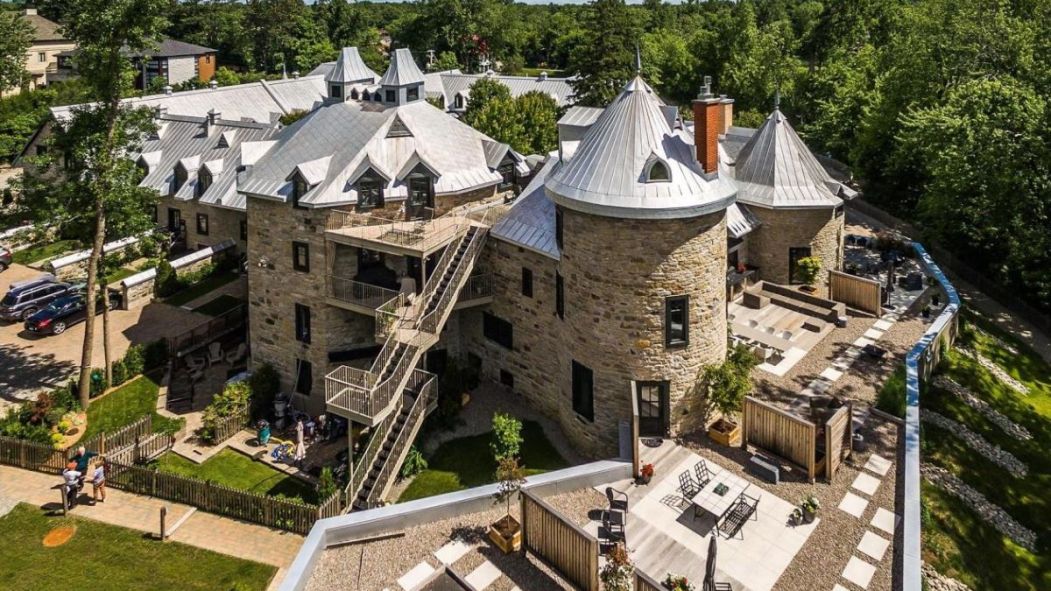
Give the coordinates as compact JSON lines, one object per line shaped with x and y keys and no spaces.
{"x":776,"y":169}
{"x":402,"y":71}
{"x":634,"y":163}
{"x":350,"y":68}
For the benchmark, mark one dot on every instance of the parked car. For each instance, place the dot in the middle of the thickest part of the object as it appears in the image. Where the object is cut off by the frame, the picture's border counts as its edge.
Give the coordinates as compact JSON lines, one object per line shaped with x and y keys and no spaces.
{"x":25,"y":298}
{"x":5,"y":258}
{"x":61,"y":314}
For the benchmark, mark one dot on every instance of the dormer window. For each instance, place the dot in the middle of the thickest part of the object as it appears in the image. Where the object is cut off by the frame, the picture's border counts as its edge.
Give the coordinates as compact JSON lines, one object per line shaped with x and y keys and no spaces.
{"x":299,"y":189}
{"x":336,"y":91}
{"x":392,"y":96}
{"x":204,"y":180}
{"x":657,"y":172}
{"x":180,"y":177}
{"x":354,"y":94}
{"x":412,"y":94}
{"x":370,"y":191}
{"x":458,"y":102}
{"x":420,"y":193}
{"x":507,"y":175}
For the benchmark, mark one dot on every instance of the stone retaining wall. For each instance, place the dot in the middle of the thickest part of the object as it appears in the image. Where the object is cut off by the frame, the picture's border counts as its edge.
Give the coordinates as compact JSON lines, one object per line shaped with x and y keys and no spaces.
{"x":140,"y":289}
{"x":73,"y":266}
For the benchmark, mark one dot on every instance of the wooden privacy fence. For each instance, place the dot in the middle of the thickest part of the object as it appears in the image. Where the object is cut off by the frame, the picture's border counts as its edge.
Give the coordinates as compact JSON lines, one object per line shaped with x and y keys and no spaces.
{"x":839,"y":439}
{"x":644,"y":582}
{"x":558,"y":540}
{"x":780,"y":433}
{"x":859,"y":293}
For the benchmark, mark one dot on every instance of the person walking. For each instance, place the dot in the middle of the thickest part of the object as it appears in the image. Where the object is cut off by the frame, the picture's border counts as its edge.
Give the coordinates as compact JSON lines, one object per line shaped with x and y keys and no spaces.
{"x":71,"y":480}
{"x":98,"y":480}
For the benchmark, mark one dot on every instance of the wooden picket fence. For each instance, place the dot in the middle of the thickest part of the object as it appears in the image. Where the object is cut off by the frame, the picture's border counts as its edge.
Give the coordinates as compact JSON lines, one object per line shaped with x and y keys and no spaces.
{"x":124,"y":437}
{"x":570,"y":549}
{"x":32,"y":456}
{"x":229,"y":426}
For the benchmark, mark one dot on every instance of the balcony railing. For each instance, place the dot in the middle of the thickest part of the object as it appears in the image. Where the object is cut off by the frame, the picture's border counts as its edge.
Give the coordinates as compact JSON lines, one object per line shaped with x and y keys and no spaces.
{"x":419,"y":235}
{"x":357,"y":292}
{"x":476,"y":288}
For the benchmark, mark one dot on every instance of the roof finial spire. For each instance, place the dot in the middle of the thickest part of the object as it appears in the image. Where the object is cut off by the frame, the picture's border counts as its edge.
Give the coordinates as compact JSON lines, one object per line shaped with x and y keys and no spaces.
{"x":638,"y":60}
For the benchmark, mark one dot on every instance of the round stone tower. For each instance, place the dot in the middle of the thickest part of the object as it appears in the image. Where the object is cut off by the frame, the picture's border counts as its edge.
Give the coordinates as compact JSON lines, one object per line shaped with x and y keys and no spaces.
{"x":641,"y":226}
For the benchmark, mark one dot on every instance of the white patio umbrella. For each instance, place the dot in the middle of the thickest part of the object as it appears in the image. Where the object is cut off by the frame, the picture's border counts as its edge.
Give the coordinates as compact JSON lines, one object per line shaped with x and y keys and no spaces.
{"x":301,"y":448}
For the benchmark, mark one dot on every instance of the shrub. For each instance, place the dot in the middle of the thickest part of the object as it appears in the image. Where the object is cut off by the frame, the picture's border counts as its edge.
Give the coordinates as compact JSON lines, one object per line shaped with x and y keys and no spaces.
{"x":264,"y":384}
{"x":155,"y":354}
{"x":507,"y":437}
{"x":233,"y":399}
{"x":64,"y":426}
{"x":414,"y":463}
{"x":56,"y":438}
{"x":808,"y":269}
{"x":133,"y":361}
{"x":724,"y":386}
{"x":166,"y":282}
{"x":326,"y":484}
{"x":65,"y":398}
{"x":149,"y":246}
{"x":40,"y":409}
{"x":891,"y":397}
{"x":616,"y":573}
{"x":511,"y":476}
{"x":98,"y":382}
{"x":119,"y":372}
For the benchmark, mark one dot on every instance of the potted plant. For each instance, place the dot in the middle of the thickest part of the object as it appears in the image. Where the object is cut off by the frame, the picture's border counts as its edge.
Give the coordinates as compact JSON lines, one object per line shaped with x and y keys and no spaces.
{"x":797,"y":516}
{"x":810,"y":505}
{"x":506,"y":532}
{"x":677,"y":583}
{"x":646,"y":474}
{"x":926,"y":311}
{"x":616,"y":574}
{"x":807,"y":270}
{"x":725,"y":386}
{"x":936,"y":299}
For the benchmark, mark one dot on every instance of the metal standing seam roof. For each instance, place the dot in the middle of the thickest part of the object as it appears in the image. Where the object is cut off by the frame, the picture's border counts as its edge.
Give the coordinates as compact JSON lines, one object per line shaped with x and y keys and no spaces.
{"x":740,"y":220}
{"x":580,"y":116}
{"x":349,"y":67}
{"x":531,"y":221}
{"x":776,"y":169}
{"x":402,"y":70}
{"x":454,"y":83}
{"x":257,"y":101}
{"x":607,"y":174}
{"x":349,"y":133}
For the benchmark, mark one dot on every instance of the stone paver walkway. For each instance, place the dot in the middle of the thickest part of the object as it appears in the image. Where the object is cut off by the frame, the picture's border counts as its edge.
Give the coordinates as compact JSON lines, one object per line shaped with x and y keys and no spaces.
{"x":204,"y":530}
{"x":872,"y":546}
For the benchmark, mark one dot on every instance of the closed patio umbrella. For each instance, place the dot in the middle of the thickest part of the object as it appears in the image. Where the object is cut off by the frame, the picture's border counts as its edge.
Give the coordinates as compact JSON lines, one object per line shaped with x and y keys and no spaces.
{"x":709,"y":568}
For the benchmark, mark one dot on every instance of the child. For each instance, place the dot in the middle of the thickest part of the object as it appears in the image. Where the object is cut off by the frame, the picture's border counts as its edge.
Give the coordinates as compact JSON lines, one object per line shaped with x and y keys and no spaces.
{"x":98,"y":480}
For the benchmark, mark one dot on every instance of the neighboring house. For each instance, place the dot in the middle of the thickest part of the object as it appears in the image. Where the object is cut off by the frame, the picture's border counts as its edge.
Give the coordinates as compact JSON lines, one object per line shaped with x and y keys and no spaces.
{"x":453,"y":87}
{"x":172,"y":61}
{"x":42,"y":55}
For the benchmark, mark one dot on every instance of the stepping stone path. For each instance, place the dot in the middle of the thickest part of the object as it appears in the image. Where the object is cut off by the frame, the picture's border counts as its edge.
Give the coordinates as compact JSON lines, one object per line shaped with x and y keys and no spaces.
{"x":873,"y":547}
{"x":486,"y":574}
{"x":480,"y":578}
{"x":990,"y":512}
{"x":993,"y":453}
{"x":415,"y":577}
{"x":451,"y":552}
{"x":1006,"y":425}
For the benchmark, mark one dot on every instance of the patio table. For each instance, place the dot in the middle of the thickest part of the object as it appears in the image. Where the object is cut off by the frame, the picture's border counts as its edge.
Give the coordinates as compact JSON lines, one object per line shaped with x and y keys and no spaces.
{"x":717,"y":504}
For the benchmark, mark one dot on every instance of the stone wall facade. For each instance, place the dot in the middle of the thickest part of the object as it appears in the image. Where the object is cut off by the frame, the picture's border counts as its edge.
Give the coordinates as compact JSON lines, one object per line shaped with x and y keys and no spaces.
{"x":781,"y":229}
{"x":616,"y":275}
{"x":223,"y":223}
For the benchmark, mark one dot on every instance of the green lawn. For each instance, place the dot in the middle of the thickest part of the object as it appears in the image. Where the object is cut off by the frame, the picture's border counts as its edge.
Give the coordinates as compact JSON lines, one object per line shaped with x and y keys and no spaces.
{"x":958,"y":542}
{"x":219,"y":305}
{"x":44,"y":251}
{"x":103,"y":557}
{"x":200,"y":288}
{"x":118,"y":274}
{"x":126,"y":405}
{"x":237,"y":470}
{"x":468,"y":462}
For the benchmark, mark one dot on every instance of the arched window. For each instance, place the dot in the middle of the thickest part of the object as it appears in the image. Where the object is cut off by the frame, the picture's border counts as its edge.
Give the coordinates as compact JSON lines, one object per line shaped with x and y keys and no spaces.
{"x":354,"y":94}
{"x":458,"y":101}
{"x":658,"y":172}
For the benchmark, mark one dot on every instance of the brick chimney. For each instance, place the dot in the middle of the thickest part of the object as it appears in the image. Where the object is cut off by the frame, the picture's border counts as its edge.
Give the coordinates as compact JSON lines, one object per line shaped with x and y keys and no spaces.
{"x":707,"y":125}
{"x":728,"y":113}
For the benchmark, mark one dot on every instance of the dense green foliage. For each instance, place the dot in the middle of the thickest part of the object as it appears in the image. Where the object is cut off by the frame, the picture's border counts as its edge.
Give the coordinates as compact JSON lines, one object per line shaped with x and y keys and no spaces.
{"x":15,"y":37}
{"x":113,"y":559}
{"x":723,"y":387}
{"x":233,"y":400}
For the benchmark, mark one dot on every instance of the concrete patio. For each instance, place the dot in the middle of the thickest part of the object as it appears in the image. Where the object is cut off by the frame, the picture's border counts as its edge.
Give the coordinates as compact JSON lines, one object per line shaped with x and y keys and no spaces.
{"x":663,"y":536}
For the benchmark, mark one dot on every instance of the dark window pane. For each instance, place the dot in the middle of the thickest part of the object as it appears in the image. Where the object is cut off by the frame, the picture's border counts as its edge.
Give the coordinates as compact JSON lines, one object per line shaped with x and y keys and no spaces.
{"x":677,"y":320}
{"x":498,"y":330}
{"x":583,"y":392}
{"x":304,"y":377}
{"x":301,"y":256}
{"x":560,"y":301}
{"x":527,"y":282}
{"x":302,"y":323}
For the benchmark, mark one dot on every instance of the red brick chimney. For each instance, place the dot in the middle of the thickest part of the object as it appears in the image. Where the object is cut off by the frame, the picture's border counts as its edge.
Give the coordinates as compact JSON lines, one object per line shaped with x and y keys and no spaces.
{"x":707,"y":125}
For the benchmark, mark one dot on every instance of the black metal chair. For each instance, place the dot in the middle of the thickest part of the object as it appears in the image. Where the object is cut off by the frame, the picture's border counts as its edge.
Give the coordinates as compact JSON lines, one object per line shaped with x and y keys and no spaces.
{"x":618,"y":500}
{"x":746,"y":507}
{"x":688,"y":486}
{"x":704,"y":475}
{"x":613,"y":522}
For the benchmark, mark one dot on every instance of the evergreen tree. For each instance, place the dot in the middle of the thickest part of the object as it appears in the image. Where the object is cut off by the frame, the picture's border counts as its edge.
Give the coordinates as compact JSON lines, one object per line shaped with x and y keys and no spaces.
{"x":15,"y":37}
{"x":605,"y":60}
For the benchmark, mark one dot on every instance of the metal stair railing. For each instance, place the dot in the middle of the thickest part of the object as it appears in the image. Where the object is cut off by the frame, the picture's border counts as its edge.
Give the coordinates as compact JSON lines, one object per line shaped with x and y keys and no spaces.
{"x":404,"y":436}
{"x":433,"y":321}
{"x":364,"y":464}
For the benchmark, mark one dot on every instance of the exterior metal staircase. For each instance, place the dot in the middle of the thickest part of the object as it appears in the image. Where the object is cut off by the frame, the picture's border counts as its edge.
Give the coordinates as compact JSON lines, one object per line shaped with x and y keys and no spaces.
{"x":392,"y":396}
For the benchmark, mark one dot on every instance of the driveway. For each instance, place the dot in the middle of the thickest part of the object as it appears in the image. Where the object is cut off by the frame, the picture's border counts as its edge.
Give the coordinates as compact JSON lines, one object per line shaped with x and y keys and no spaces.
{"x":30,"y":363}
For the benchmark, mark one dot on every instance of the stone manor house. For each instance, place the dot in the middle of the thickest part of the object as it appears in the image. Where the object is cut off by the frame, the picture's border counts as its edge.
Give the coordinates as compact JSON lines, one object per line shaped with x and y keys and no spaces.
{"x":384,"y":237}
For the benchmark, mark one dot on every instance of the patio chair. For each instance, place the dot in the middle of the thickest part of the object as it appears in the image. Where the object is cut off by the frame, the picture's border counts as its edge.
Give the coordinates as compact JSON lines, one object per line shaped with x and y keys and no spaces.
{"x":215,"y":353}
{"x":704,"y":475}
{"x":237,"y":355}
{"x":746,"y":507}
{"x":618,"y":500}
{"x":195,"y":364}
{"x":688,"y":486}
{"x":613,"y":522}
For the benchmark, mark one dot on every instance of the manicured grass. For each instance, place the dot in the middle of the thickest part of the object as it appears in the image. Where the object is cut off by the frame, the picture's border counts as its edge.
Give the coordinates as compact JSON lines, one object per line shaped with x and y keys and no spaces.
{"x":44,"y":251}
{"x":891,"y":397}
{"x":126,"y":405}
{"x":237,"y":470}
{"x":119,"y":274}
{"x":103,"y":557}
{"x":468,"y":462}
{"x":219,"y":305}
{"x":957,"y":542}
{"x":200,"y":288}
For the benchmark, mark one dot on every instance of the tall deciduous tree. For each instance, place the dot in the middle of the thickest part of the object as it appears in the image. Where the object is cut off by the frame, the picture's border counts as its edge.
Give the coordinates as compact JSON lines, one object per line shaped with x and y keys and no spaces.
{"x":605,"y":60}
{"x":102,"y":134}
{"x":15,"y":36}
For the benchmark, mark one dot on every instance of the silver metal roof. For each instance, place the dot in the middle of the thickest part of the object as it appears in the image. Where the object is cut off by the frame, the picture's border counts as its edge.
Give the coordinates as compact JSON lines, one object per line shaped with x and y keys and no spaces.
{"x":402,"y":70}
{"x":349,"y":68}
{"x":531,"y":221}
{"x":580,"y":116}
{"x":257,"y":101}
{"x":776,"y":169}
{"x":454,"y":82}
{"x":740,"y":220}
{"x":608,"y":173}
{"x":353,"y":137}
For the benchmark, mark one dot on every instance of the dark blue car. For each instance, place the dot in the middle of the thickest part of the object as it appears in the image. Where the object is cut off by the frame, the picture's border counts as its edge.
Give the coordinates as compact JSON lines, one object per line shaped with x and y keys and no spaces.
{"x":60,"y":315}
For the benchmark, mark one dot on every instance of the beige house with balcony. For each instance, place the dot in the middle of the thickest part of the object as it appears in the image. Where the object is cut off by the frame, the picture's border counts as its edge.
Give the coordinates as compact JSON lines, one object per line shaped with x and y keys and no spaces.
{"x":42,"y":55}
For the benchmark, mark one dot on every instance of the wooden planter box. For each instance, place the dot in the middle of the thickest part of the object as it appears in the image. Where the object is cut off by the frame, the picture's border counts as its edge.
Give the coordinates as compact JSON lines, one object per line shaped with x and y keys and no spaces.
{"x":506,"y":534}
{"x":724,"y":432}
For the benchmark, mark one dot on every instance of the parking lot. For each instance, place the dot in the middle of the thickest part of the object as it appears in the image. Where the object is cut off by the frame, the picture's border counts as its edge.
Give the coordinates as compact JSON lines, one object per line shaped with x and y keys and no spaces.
{"x":29,"y":363}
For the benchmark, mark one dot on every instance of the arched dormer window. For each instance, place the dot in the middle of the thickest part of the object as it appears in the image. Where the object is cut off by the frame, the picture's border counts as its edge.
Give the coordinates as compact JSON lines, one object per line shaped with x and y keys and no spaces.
{"x":180,"y":177}
{"x":458,"y":102}
{"x":370,"y":191}
{"x":204,"y":180}
{"x":656,"y":171}
{"x":299,"y":189}
{"x":365,"y":95}
{"x":354,"y":94}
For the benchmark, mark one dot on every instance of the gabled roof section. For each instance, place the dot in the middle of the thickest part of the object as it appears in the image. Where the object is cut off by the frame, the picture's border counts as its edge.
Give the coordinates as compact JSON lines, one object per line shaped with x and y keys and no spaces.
{"x":366,"y":165}
{"x":605,"y":175}
{"x":776,"y":169}
{"x":398,"y":128}
{"x":350,"y":68}
{"x":402,"y":71}
{"x":314,"y":171}
{"x":414,"y":161}
{"x":226,"y":139}
{"x":190,"y":163}
{"x":740,"y":220}
{"x":150,"y":159}
{"x":214,"y":167}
